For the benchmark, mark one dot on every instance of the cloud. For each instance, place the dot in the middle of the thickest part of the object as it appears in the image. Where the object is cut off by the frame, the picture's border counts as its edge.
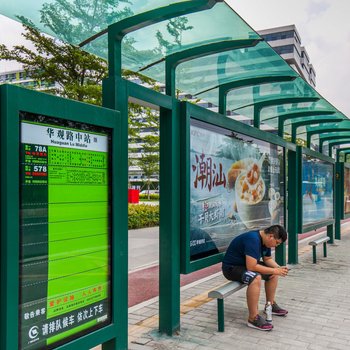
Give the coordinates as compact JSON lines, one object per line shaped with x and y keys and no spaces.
{"x":324,"y":28}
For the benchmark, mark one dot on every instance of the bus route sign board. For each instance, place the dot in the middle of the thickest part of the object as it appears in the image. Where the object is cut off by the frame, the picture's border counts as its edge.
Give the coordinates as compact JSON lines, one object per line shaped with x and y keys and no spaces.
{"x":64,"y":289}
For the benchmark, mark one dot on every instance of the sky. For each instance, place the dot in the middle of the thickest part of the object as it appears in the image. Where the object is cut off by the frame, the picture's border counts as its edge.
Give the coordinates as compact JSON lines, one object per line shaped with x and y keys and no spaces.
{"x":323,"y":25}
{"x":324,"y":28}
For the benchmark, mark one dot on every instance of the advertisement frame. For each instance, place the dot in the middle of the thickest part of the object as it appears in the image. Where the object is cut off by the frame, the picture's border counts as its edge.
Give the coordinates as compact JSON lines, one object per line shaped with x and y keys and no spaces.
{"x":188,"y":112}
{"x":14,"y":100}
{"x":344,"y":214}
{"x":326,"y":222}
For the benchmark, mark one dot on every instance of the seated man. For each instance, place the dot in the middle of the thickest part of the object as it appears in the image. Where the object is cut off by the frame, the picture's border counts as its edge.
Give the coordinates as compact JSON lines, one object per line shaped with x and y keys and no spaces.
{"x":242,"y":263}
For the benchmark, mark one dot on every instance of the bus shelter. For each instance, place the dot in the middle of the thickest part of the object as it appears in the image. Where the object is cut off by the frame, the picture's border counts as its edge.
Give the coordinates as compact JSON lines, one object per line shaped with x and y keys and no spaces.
{"x":263,"y":118}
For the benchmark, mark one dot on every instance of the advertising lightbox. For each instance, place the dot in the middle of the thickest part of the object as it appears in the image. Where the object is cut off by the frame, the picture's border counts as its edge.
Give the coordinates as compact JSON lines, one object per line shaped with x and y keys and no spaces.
{"x":64,"y":231}
{"x":317,"y":190}
{"x":346,"y":189}
{"x":236,"y":185}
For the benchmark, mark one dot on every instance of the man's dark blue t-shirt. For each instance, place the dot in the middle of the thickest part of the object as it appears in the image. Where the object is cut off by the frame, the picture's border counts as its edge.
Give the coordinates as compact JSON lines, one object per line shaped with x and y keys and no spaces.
{"x":249,"y":243}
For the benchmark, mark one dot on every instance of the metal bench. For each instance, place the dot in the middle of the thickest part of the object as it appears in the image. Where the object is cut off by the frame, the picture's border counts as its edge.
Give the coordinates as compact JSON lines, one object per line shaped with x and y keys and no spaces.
{"x":220,"y":294}
{"x":315,"y":243}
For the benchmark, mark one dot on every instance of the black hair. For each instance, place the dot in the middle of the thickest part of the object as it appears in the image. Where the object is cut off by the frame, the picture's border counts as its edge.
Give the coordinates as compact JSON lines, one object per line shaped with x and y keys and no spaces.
{"x":278,"y":232}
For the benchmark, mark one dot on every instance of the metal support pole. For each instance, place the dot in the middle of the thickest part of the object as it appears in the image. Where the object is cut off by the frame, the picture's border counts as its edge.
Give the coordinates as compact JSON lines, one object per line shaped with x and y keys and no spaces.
{"x":339,"y":198}
{"x":314,"y":254}
{"x":330,"y":233}
{"x":325,"y":249}
{"x":293,"y":211}
{"x":280,"y":254}
{"x":221,"y":319}
{"x":169,"y":230}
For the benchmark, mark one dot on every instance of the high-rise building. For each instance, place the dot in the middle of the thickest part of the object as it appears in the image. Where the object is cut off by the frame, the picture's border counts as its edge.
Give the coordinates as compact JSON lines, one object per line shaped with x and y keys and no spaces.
{"x":287,"y":43}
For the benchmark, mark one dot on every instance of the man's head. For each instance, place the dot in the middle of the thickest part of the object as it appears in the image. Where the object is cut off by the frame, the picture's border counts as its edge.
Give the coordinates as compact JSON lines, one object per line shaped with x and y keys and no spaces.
{"x":274,"y":236}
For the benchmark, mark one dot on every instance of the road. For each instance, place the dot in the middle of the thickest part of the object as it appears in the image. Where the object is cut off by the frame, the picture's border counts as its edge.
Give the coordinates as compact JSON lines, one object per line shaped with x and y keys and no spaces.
{"x":143,"y":248}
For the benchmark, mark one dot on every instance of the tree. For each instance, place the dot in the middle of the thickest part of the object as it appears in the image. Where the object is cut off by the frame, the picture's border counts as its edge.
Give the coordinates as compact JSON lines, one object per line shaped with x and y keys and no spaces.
{"x":175,"y":28}
{"x":149,"y":161}
{"x":74,"y":73}
{"x":74,"y":21}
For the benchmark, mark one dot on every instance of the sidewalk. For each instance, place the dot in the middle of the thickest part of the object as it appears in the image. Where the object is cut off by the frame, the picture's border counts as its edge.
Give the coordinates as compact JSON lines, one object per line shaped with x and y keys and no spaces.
{"x":317,"y":297}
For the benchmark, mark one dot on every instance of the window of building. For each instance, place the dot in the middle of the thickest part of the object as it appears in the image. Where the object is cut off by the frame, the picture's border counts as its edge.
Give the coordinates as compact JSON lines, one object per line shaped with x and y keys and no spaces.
{"x":284,"y":49}
{"x":279,"y":36}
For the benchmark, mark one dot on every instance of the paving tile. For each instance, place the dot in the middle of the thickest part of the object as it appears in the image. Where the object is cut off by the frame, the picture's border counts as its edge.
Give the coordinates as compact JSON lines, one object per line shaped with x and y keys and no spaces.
{"x":316,"y":295}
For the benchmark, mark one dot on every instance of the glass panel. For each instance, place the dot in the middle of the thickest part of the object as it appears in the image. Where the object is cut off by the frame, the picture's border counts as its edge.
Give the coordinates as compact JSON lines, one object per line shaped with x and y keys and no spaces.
{"x":273,"y":111}
{"x":144,"y":50}
{"x":317,"y":190}
{"x":240,"y":98}
{"x":163,"y":39}
{"x":76,"y":20}
{"x":237,"y":184}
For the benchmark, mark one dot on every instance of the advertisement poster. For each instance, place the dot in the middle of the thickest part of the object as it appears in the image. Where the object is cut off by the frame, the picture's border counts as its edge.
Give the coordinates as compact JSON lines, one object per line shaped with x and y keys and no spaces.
{"x":64,"y":231}
{"x":317,"y":190}
{"x":346,"y":190}
{"x":236,"y":185}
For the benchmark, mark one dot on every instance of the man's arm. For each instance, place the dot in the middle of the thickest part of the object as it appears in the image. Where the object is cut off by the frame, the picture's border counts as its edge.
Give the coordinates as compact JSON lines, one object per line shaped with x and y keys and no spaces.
{"x":268,"y":261}
{"x":252,"y":265}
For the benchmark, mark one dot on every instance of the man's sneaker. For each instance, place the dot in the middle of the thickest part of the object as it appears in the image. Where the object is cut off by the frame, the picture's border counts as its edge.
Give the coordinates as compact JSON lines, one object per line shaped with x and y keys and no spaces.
{"x":260,"y":324}
{"x":276,"y":310}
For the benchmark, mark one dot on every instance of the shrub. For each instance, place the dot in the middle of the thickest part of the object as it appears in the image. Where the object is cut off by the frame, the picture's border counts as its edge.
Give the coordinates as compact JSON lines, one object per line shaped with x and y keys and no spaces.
{"x":143,"y":215}
{"x":153,"y":196}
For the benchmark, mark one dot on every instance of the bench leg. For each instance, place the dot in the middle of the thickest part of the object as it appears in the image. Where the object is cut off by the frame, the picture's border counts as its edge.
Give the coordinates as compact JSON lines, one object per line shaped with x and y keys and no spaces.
{"x":314,"y":254}
{"x":325,"y":249}
{"x":221,"y":322}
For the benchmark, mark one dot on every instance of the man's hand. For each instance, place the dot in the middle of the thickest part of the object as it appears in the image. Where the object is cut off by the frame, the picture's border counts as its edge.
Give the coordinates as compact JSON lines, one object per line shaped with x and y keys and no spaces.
{"x":281,"y":271}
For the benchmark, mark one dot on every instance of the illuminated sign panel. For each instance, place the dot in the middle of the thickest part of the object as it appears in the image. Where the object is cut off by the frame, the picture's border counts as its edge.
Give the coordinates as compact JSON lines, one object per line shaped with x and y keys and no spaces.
{"x":236,"y":184}
{"x":346,"y":190}
{"x":64,"y":231}
{"x":317,"y":189}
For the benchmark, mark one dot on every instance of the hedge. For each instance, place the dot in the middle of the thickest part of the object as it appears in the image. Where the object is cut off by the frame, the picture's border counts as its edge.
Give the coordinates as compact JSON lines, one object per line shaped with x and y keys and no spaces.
{"x":152,"y":196}
{"x":143,"y":215}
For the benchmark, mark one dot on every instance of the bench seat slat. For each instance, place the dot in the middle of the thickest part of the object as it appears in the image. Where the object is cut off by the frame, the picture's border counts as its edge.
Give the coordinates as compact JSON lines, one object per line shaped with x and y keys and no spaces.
{"x":319,"y":241}
{"x":226,"y":290}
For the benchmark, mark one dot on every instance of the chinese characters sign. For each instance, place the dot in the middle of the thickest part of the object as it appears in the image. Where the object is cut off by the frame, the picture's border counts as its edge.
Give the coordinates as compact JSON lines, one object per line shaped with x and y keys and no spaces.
{"x":236,"y":184}
{"x":64,"y":283}
{"x":317,"y":190}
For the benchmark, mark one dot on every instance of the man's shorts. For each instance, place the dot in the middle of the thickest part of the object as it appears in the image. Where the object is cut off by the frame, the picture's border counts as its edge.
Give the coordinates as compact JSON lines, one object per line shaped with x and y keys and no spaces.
{"x":241,"y":274}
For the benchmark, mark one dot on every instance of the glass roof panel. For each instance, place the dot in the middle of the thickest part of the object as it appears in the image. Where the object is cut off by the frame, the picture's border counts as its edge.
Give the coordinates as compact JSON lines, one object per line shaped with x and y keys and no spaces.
{"x":145,"y":50}
{"x":239,"y":98}
{"x":181,"y":33}
{"x":74,"y":21}
{"x":274,"y":111}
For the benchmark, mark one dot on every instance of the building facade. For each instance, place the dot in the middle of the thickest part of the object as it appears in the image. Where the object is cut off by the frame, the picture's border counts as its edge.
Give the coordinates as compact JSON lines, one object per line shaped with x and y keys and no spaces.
{"x":286,"y":42}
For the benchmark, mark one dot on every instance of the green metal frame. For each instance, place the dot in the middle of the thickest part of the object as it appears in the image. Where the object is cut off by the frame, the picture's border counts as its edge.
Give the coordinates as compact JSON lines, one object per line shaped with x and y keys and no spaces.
{"x":328,"y":222}
{"x":115,"y":96}
{"x":13,"y":100}
{"x":316,"y":120}
{"x":116,"y":93}
{"x":294,"y":215}
{"x":339,"y":195}
{"x":273,"y":101}
{"x":282,"y":118}
{"x":346,"y":153}
{"x":189,"y":111}
{"x":342,"y":150}
{"x":334,"y":137}
{"x":225,"y":88}
{"x":172,"y":61}
{"x":340,"y":141}
{"x":343,"y":214}
{"x":325,"y":129}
